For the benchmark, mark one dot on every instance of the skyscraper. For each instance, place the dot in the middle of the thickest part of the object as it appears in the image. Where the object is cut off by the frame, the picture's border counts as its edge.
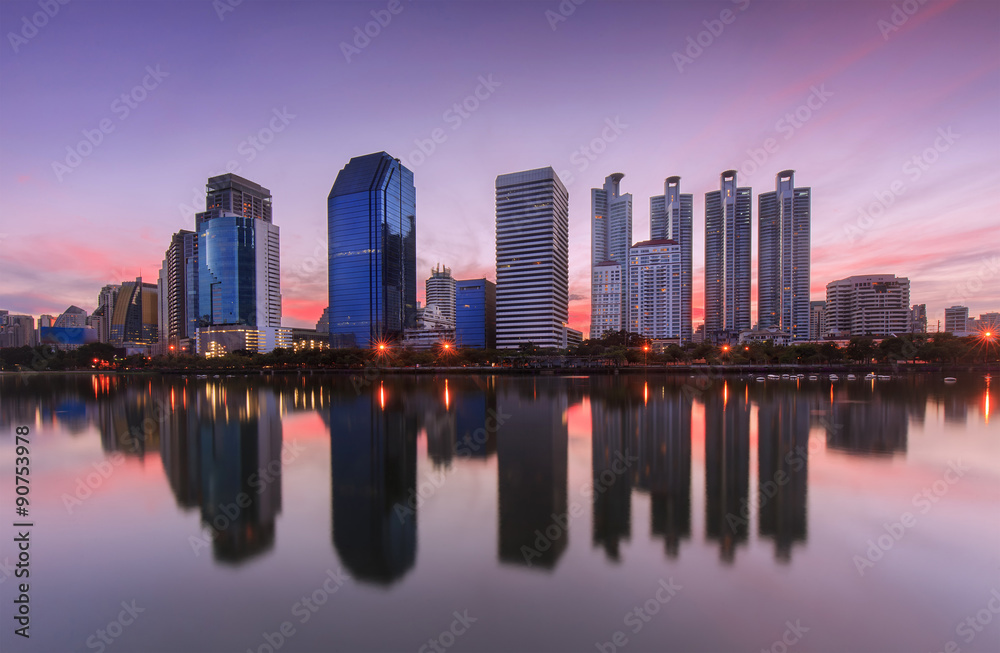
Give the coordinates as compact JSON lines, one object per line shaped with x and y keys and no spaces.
{"x":918,"y":318}
{"x":783,"y":257}
{"x":134,"y":319}
{"x":727,"y":259}
{"x":671,"y":216}
{"x":532,"y":258}
{"x":238,"y":256}
{"x":178,"y":289}
{"x":440,"y":289}
{"x":611,"y":235}
{"x":654,"y":289}
{"x":371,"y":226}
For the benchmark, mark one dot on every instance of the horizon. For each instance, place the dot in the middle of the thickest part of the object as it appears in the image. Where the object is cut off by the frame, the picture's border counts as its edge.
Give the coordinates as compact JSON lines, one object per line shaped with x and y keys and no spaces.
{"x":890,"y":121}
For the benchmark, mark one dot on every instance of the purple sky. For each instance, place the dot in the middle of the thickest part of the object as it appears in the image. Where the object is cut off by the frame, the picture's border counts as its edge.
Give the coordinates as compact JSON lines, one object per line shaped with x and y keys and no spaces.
{"x":869,"y":99}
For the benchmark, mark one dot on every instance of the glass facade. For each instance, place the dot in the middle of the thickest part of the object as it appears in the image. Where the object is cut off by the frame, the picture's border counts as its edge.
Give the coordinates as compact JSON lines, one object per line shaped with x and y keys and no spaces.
{"x":475,"y":314}
{"x":372,"y":249}
{"x":226,"y":271}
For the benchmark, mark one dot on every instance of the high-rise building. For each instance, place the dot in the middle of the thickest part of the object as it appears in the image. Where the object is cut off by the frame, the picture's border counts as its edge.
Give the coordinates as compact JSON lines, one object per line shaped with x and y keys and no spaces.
{"x":105,"y":307}
{"x":134,"y":319}
{"x":239,"y":277}
{"x":440,"y":289}
{"x":817,"y":320}
{"x":476,"y":313}
{"x":918,"y":318}
{"x":868,"y":305}
{"x":371,"y":226}
{"x":611,"y":235}
{"x":956,"y":319}
{"x":532,"y":232}
{"x":671,"y":215}
{"x":727,"y":259}
{"x":73,"y":317}
{"x":17,"y":331}
{"x":178,"y":290}
{"x":783,"y":258}
{"x":654,"y":289}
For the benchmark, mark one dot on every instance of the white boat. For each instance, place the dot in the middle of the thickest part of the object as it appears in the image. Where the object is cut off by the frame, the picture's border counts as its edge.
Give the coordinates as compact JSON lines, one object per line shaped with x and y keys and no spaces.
{"x":784,"y":376}
{"x":851,"y":377}
{"x":950,"y":379}
{"x":884,"y":377}
{"x":760,"y":378}
{"x":773,"y":377}
{"x":870,"y":376}
{"x":834,"y":377}
{"x":813,"y":377}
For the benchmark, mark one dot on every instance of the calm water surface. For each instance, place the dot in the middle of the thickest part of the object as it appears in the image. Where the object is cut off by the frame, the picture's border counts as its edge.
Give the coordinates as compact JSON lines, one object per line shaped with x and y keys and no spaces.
{"x":632,"y":513}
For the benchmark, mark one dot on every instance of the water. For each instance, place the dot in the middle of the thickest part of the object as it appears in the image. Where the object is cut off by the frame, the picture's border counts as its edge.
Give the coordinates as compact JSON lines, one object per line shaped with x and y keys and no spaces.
{"x":854,"y":515}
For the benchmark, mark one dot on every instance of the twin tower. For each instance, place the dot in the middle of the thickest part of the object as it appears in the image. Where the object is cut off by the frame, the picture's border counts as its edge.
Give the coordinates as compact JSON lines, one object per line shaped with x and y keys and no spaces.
{"x":646,"y":287}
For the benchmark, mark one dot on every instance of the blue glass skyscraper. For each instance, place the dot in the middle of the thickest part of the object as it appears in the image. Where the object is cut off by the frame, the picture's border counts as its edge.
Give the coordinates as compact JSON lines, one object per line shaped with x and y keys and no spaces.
{"x":475,"y":313}
{"x":371,"y":214}
{"x":238,"y":261}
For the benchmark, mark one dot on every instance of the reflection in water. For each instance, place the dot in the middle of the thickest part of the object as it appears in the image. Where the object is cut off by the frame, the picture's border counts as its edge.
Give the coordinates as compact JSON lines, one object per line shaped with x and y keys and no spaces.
{"x":868,"y":422}
{"x":727,"y":468}
{"x":611,"y":428}
{"x":783,"y":461}
{"x":532,"y":471}
{"x":221,"y":450}
{"x":373,"y":451}
{"x":220,"y":443}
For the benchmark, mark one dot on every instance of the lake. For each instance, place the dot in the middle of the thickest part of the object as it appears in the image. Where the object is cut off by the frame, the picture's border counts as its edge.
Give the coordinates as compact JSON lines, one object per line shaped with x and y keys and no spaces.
{"x":426,"y":513}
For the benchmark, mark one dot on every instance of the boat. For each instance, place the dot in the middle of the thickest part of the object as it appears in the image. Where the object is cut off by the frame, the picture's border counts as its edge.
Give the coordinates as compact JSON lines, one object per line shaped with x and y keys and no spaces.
{"x":760,"y":378}
{"x":834,"y":377}
{"x":784,"y":376}
{"x":813,"y":377}
{"x":884,"y":377}
{"x":773,"y":377}
{"x":870,"y":376}
{"x":950,"y":379}
{"x":851,"y":377}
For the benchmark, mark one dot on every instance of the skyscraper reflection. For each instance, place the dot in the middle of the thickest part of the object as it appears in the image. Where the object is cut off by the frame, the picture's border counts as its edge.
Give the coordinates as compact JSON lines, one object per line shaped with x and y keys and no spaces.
{"x":664,"y":449}
{"x":373,"y":452}
{"x":220,"y":445}
{"x":532,"y":438}
{"x":611,"y":433}
{"x":727,"y":467}
{"x":782,"y":461}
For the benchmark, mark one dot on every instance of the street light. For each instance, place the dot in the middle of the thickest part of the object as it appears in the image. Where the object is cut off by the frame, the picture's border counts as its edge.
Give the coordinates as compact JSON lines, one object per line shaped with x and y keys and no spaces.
{"x":645,"y":351}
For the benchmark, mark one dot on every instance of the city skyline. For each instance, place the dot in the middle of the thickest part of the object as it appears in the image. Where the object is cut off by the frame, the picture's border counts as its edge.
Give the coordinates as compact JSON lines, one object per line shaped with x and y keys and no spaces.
{"x":889,"y":161}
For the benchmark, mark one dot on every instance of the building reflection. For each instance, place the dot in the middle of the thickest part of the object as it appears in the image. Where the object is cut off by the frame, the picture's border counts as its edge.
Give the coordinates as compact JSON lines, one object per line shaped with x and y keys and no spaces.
{"x":373,"y":454}
{"x":612,"y":429}
{"x":532,"y":440}
{"x":221,"y":451}
{"x":867,"y":421}
{"x":727,"y":467}
{"x":783,"y":462}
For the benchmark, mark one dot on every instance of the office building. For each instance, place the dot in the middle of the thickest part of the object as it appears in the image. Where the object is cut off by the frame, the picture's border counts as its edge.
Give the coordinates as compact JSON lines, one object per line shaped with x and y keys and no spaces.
{"x":532,"y":249}
{"x":727,"y":259}
{"x":476,"y":313}
{"x":956,"y":320}
{"x":238,"y":275}
{"x":101,"y":317}
{"x":671,"y":217}
{"x":918,"y":318}
{"x":440,"y":291}
{"x":654,"y":289}
{"x":17,"y":331}
{"x":868,"y":305}
{"x":371,"y":226}
{"x":72,"y":317}
{"x":135,"y":316}
{"x":611,"y":235}
{"x":817,"y":320}
{"x":178,"y":290}
{"x":783,"y":257}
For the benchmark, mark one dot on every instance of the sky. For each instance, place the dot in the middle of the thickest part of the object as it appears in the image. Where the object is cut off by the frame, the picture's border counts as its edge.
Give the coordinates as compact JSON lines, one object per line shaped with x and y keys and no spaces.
{"x":113,"y":114}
